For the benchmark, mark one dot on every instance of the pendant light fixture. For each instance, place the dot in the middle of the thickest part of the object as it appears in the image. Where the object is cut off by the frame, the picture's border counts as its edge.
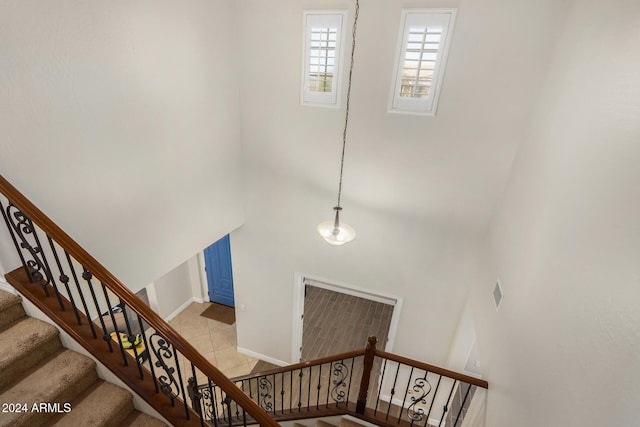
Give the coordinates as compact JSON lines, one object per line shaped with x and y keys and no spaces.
{"x":335,"y":232}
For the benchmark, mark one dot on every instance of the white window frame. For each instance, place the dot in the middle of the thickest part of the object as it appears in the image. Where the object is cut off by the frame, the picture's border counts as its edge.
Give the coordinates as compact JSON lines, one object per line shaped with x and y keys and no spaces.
{"x":422,"y":17}
{"x":327,"y":19}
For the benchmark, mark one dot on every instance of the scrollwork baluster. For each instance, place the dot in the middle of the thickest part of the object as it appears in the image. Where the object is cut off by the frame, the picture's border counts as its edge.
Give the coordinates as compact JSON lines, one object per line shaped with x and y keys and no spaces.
{"x":162,"y":351}
{"x":423,"y":387}
{"x":265,"y":388}
{"x":340,"y":371}
{"x":37,"y":270}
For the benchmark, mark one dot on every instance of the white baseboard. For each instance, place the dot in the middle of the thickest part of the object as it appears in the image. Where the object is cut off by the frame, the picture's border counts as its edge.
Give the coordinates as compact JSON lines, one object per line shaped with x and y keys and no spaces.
{"x":4,"y":286}
{"x":199,"y":300}
{"x":179,"y":310}
{"x":263,"y":357}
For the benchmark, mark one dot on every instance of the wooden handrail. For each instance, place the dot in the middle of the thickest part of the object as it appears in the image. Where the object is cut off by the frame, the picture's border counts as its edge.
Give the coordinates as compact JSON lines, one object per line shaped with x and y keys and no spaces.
{"x":302,"y":365}
{"x":119,"y":289}
{"x":436,"y":370}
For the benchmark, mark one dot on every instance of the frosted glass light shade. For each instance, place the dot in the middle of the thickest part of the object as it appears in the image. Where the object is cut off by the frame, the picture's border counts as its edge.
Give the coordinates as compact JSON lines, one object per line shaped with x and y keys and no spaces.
{"x":336,"y":236}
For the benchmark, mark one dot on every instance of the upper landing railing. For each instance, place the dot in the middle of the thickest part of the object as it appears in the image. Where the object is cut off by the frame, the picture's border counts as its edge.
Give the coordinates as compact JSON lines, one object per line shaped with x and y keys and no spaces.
{"x":378,"y":387}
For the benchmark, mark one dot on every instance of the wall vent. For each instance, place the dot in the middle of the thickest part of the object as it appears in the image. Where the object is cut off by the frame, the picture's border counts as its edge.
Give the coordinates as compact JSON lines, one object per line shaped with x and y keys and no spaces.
{"x":497,"y":294}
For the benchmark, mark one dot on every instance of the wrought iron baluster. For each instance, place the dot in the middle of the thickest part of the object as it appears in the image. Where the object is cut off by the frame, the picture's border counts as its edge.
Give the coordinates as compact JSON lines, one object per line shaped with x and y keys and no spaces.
{"x":258,"y":394}
{"x":309,"y":391}
{"x":186,"y":407}
{"x":47,"y":269}
{"x":87,"y":276}
{"x":146,"y":346}
{"x":162,"y":351}
{"x":300,"y":391}
{"x":466,"y":396}
{"x":393,"y":392}
{"x":329,"y":383}
{"x":353,"y":360}
{"x":237,"y":409}
{"x":319,"y":386}
{"x":82,"y":299}
{"x":384,"y":370}
{"x":290,"y":391}
{"x":433,"y":400}
{"x":115,"y":324}
{"x":275,"y":387}
{"x":446,"y":405}
{"x":64,"y":279}
{"x":130,"y":333}
{"x":227,"y":401}
{"x":23,"y":227}
{"x":282,"y":393}
{"x":15,"y":241}
{"x":196,"y":395}
{"x":214,"y":404}
{"x":423,"y":387}
{"x":406,"y":392}
{"x":340,"y":371}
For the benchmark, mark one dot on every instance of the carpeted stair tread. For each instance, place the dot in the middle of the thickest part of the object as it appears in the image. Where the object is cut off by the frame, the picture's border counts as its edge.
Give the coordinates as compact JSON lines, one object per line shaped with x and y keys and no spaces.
{"x":10,"y":308}
{"x":321,"y":423}
{"x":60,"y":379}
{"x":103,"y":405}
{"x":348,"y":423}
{"x":24,"y":343}
{"x":139,"y":419}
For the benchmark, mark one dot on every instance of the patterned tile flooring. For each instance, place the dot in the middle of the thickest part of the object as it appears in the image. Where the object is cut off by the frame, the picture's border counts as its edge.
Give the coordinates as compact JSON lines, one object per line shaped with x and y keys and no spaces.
{"x":216,"y":341}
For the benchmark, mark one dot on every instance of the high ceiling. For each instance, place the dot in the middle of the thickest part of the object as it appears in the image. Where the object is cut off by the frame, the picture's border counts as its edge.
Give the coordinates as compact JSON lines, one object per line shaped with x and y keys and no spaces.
{"x":449,"y":168}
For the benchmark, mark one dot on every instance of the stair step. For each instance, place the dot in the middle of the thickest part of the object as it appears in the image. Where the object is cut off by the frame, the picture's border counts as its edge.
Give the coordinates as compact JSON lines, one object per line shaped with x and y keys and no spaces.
{"x":24,"y":343}
{"x":103,"y":405}
{"x":60,"y":379}
{"x":10,"y":308}
{"x":348,"y":423}
{"x":143,"y":420}
{"x":321,"y":423}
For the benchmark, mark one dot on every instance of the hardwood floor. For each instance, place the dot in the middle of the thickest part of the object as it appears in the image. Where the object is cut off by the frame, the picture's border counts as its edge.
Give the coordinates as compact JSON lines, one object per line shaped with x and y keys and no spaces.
{"x":336,"y":323}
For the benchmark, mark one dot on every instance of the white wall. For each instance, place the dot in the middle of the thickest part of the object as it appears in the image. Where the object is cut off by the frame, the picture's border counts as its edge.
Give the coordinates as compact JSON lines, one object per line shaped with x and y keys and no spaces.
{"x":417,"y":190}
{"x":173,"y":291}
{"x":563,"y":349}
{"x":427,"y":264}
{"x":120,"y":120}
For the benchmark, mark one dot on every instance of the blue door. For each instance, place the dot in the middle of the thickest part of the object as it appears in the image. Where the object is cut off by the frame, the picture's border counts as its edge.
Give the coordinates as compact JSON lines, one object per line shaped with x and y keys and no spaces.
{"x":217,"y":259}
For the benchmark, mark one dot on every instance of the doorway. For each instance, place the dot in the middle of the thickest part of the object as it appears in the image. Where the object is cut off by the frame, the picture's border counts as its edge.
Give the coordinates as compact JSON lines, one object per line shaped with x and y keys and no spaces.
{"x":217,"y":260}
{"x":333,"y":317}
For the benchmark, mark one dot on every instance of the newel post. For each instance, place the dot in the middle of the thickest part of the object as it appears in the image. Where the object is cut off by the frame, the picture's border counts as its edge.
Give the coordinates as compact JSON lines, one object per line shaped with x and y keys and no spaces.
{"x":369,"y":355}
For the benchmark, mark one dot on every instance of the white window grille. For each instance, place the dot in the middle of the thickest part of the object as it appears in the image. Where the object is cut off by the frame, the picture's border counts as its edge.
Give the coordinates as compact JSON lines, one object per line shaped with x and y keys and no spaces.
{"x":323,"y":45}
{"x":424,"y":40}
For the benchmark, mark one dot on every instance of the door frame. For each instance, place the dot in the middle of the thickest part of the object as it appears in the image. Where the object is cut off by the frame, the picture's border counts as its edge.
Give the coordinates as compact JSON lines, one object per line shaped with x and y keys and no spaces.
{"x":344,"y":288}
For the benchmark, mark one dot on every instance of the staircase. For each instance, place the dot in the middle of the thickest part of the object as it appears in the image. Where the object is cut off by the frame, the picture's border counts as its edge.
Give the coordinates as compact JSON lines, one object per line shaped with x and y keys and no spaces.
{"x":42,"y":383}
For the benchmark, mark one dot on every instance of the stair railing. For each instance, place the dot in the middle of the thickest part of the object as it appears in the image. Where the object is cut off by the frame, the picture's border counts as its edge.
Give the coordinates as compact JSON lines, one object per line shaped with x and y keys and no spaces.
{"x":315,"y":388}
{"x":151,"y":356}
{"x":376,"y":386}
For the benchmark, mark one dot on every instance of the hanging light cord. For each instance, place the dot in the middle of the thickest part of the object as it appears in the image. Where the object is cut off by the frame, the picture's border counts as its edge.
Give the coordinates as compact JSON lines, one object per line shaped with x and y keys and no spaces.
{"x":346,"y":117}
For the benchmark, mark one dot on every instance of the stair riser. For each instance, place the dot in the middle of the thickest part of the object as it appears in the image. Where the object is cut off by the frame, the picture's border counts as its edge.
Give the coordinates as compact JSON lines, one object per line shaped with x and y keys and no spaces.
{"x":10,"y":314}
{"x":64,"y":395}
{"x":19,"y":367}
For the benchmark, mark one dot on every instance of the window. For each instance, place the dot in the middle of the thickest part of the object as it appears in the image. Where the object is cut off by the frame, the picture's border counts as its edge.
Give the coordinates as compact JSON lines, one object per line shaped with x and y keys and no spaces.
{"x":323,"y":44}
{"x":422,"y":50}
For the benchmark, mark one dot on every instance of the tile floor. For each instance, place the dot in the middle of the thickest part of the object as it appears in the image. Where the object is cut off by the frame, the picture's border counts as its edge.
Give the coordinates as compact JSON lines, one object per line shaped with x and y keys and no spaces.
{"x":216,"y":341}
